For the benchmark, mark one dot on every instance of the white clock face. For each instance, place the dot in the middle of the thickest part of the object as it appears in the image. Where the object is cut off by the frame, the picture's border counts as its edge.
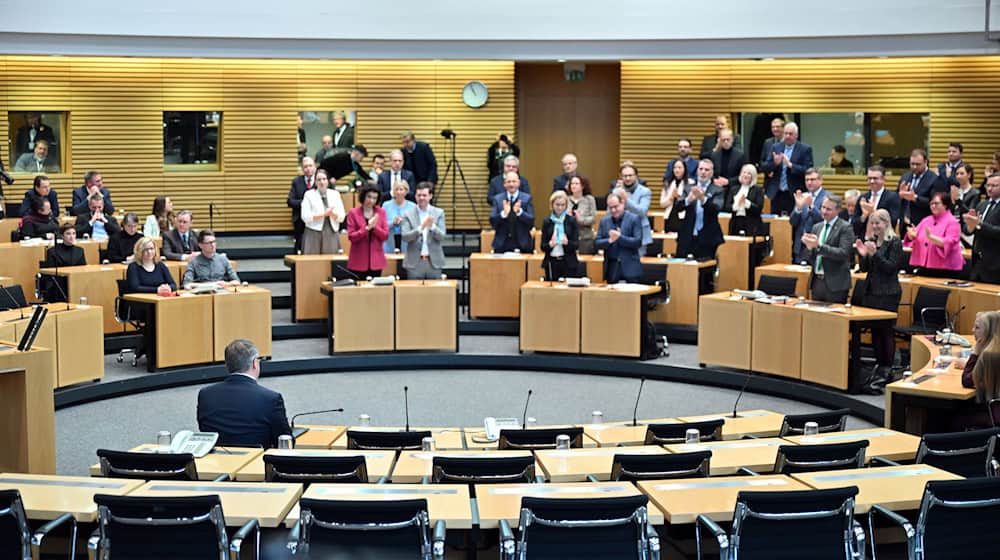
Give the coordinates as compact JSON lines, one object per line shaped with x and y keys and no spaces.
{"x":475,"y":94}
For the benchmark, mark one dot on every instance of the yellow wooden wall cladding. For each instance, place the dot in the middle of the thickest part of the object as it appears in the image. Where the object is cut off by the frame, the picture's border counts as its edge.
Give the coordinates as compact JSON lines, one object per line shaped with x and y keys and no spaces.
{"x":116,"y":109}
{"x":662,"y":101}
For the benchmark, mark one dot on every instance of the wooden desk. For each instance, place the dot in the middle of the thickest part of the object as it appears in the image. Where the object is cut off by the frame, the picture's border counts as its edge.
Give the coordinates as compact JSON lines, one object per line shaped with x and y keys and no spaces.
{"x":74,"y":335}
{"x":780,"y":233}
{"x":593,"y":267}
{"x":486,"y":239}
{"x":444,"y":438}
{"x":729,"y":456}
{"x":503,"y":501}
{"x":27,"y":412}
{"x":220,"y":461}
{"x":46,"y":497}
{"x":98,"y":283}
{"x":799,"y":272}
{"x":573,"y":465}
{"x":550,"y":318}
{"x":494,"y":284}
{"x":885,"y":443}
{"x":378,"y":463}
{"x":426,"y":315}
{"x":613,"y":319}
{"x":683,"y":500}
{"x":244,"y":312}
{"x":897,"y":488}
{"x":308,"y":273}
{"x":445,"y":502}
{"x":266,"y":502}
{"x":758,"y":423}
{"x":683,"y":276}
{"x":612,"y":435}
{"x":6,"y":281}
{"x":729,"y":349}
{"x":412,"y":466}
{"x":912,"y":402}
{"x":363,"y":316}
{"x":734,"y":262}
{"x":19,"y":261}
{"x":7,"y":226}
{"x":318,"y":436}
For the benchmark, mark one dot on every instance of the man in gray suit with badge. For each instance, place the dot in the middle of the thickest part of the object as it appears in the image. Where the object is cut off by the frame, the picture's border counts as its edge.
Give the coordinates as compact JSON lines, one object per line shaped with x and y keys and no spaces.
{"x":423,"y":230}
{"x":830,"y":252}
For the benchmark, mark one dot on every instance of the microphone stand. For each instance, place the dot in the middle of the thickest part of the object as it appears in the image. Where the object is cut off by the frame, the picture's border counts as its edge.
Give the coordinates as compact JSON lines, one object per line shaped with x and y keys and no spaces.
{"x":746,"y":383}
{"x":406,"y":406}
{"x":524,"y":415}
{"x":310,"y":413}
{"x":635,"y":411}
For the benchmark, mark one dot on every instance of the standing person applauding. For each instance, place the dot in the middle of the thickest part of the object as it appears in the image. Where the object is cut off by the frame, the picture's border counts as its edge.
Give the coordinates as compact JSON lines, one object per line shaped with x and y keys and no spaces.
{"x":367,"y":229}
{"x":321,"y":210}
{"x":936,"y":241}
{"x":559,"y":240}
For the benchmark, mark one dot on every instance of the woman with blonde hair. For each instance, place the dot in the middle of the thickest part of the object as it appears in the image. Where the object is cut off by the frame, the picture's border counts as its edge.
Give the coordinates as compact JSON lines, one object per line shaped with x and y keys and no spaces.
{"x":986,"y":378}
{"x":559,"y":240}
{"x":395,"y":208}
{"x":147,"y":274}
{"x":986,"y":335}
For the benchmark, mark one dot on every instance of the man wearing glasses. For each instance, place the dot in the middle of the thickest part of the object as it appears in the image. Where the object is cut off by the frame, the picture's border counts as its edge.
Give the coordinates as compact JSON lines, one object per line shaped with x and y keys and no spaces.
{"x":242,"y":412}
{"x":209,"y":265}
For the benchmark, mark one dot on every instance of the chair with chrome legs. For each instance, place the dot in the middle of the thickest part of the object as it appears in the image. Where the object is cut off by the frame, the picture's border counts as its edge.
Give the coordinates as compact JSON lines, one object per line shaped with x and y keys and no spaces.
{"x":16,"y":538}
{"x":676,"y":432}
{"x":828,"y":421}
{"x":308,"y":469}
{"x":539,"y":438}
{"x":631,"y":468}
{"x":386,"y":440}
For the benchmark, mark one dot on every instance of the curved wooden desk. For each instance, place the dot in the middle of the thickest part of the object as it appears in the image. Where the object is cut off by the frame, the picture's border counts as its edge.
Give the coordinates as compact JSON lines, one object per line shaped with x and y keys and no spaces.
{"x":925,"y":398}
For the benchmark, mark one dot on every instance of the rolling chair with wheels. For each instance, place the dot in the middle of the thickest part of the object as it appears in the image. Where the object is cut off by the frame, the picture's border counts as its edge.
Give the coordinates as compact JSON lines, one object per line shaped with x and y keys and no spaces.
{"x":969,"y":454}
{"x":829,"y":421}
{"x":128,"y":313}
{"x":631,"y":468}
{"x":483,"y":470}
{"x":17,"y":541}
{"x":930,"y":314}
{"x":147,"y":466}
{"x":676,"y":432}
{"x":15,"y":300}
{"x":307,"y":469}
{"x":385,"y":440}
{"x":539,"y":438}
{"x":793,"y":459}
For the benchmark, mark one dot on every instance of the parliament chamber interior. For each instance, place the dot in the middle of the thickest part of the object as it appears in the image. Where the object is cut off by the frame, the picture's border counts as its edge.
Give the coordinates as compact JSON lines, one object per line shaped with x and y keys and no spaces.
{"x":435,"y":286}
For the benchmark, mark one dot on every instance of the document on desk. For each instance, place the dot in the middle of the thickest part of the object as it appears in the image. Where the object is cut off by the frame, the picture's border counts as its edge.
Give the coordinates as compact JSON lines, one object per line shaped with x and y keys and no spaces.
{"x":628,"y":287}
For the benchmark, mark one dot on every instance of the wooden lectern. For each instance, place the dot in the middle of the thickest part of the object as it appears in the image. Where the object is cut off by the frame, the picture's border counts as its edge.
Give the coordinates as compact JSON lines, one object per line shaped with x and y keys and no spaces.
{"x":27,"y":411}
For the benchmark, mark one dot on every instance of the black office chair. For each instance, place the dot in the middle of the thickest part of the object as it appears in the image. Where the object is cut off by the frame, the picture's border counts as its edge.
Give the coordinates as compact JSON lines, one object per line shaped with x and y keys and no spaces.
{"x":829,"y":421}
{"x":598,"y":528}
{"x":49,"y":287}
{"x":664,"y":434}
{"x":655,"y":247}
{"x":539,"y":438}
{"x":14,"y":299}
{"x":655,"y":274}
{"x":147,"y":466}
{"x":631,"y":468}
{"x":930,"y":313}
{"x":789,"y":525}
{"x":308,"y":469}
{"x":375,"y":440}
{"x":16,"y":538}
{"x":793,"y":459}
{"x":777,"y":285}
{"x":958,"y":519}
{"x":366,"y":529}
{"x":167,"y":528}
{"x":483,"y":470}
{"x":128,"y":313}
{"x":969,"y":454}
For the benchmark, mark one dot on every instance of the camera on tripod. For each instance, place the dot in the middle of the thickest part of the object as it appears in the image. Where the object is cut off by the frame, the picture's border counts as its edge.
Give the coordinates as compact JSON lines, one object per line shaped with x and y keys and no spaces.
{"x":448,"y":133}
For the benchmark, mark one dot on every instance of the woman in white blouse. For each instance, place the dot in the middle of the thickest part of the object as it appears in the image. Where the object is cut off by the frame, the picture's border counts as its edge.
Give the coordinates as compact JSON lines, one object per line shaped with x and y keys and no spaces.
{"x":745,"y":201}
{"x":322,"y":213}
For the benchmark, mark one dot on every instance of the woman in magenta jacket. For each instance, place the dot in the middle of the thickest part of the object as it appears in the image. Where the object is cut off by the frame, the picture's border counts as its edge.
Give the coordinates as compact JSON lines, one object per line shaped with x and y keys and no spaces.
{"x":936,"y":241}
{"x":367,"y":229}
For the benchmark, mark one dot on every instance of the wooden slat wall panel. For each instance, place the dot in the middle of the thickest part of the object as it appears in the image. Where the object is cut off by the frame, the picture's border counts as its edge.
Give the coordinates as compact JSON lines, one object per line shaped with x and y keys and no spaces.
{"x":665,"y":100}
{"x":116,"y":107}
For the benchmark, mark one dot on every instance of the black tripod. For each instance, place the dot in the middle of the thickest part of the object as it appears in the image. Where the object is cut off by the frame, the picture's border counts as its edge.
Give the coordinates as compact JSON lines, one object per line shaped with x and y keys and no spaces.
{"x":454,"y":168}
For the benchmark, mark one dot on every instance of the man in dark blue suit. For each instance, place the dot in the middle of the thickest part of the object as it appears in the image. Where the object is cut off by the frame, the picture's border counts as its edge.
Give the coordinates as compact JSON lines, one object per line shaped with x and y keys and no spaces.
{"x":915,"y":190}
{"x":93,"y":182}
{"x":620,"y":236}
{"x":511,"y":164}
{"x":395,"y":173}
{"x":784,"y":171}
{"x":877,"y":197}
{"x":808,"y":204}
{"x":512,"y":217}
{"x":946,"y":169}
{"x":418,"y":157}
{"x":241,"y":411}
{"x":296,"y":193}
{"x":700,"y":234}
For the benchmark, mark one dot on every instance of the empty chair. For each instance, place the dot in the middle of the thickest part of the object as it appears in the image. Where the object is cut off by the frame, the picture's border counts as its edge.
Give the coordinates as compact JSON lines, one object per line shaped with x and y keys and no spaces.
{"x":930,"y":313}
{"x":664,"y":434}
{"x":483,"y":470}
{"x":597,"y":528}
{"x":309,"y":469}
{"x":16,"y":538}
{"x":777,"y":285}
{"x":969,"y":454}
{"x":958,"y":520}
{"x":655,"y":274}
{"x":830,"y":421}
{"x":378,"y":528}
{"x":824,"y":457}
{"x":539,"y":438}
{"x":657,"y":466}
{"x":374,"y":439}
{"x":12,"y":297}
{"x":167,"y":527}
{"x":789,"y":526}
{"x":147,"y":466}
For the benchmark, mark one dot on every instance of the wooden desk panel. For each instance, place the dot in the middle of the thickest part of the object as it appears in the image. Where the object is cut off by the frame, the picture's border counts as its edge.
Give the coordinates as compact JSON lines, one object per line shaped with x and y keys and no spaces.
{"x":972,"y":301}
{"x":378,"y":463}
{"x":8,"y":332}
{"x":426,"y":315}
{"x":412,"y":466}
{"x":184,"y":328}
{"x":611,"y":320}
{"x":494,"y":284}
{"x":897,"y":488}
{"x":826,"y":339}
{"x":20,"y":263}
{"x":776,"y":345}
{"x":220,"y":461}
{"x":97,"y":283}
{"x":731,"y":348}
{"x":7,"y":226}
{"x":550,"y":318}
{"x":308,"y":272}
{"x":682,"y":500}
{"x":79,"y":345}
{"x":683,"y":276}
{"x":318,"y":436}
{"x":362,"y":318}
{"x":573,"y":465}
{"x":445,"y":502}
{"x":729,"y":456}
{"x":734,"y":263}
{"x":243,"y":314}
{"x":27,"y":414}
{"x":613,"y":435}
{"x":889,"y":444}
{"x":267,"y":502}
{"x":6,"y":281}
{"x":503,"y":501}
{"x":46,"y":497}
{"x":486,"y":239}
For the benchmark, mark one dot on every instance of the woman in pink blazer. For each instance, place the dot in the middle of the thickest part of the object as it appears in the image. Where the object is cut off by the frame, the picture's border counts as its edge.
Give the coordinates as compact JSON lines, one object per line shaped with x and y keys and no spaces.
{"x":367,"y":229}
{"x":936,"y":241}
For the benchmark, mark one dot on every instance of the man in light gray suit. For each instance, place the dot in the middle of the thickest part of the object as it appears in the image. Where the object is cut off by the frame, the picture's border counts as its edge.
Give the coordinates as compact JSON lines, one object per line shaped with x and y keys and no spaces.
{"x":830,"y":254}
{"x":423,"y":230}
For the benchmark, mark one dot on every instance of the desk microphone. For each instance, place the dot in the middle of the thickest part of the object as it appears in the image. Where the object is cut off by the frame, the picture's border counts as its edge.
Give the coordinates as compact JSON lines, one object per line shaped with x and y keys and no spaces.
{"x":348,"y":271}
{"x":953,"y":318}
{"x":524,"y":415}
{"x":742,"y":390}
{"x":406,"y":406}
{"x":13,"y":302}
{"x":310,"y":413}
{"x":635,"y":411}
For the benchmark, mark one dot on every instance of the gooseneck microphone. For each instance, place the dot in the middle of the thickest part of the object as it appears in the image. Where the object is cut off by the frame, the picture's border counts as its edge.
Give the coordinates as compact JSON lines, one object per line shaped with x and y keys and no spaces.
{"x":742,"y":390}
{"x":310,"y":413}
{"x":524,"y":415}
{"x":635,"y":411}
{"x":406,"y":405}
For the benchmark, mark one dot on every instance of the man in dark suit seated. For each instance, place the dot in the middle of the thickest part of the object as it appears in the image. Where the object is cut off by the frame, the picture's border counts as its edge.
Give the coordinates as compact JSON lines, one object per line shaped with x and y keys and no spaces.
{"x":830,"y":247}
{"x":915,"y":190}
{"x":877,"y":197}
{"x":394,"y":174}
{"x":700,"y":234}
{"x":418,"y":157}
{"x":97,"y":222}
{"x":620,"y":236}
{"x":511,"y":164}
{"x":181,"y":243}
{"x":512,"y":217}
{"x":241,"y":411}
{"x":93,"y":182}
{"x":984,"y":221}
